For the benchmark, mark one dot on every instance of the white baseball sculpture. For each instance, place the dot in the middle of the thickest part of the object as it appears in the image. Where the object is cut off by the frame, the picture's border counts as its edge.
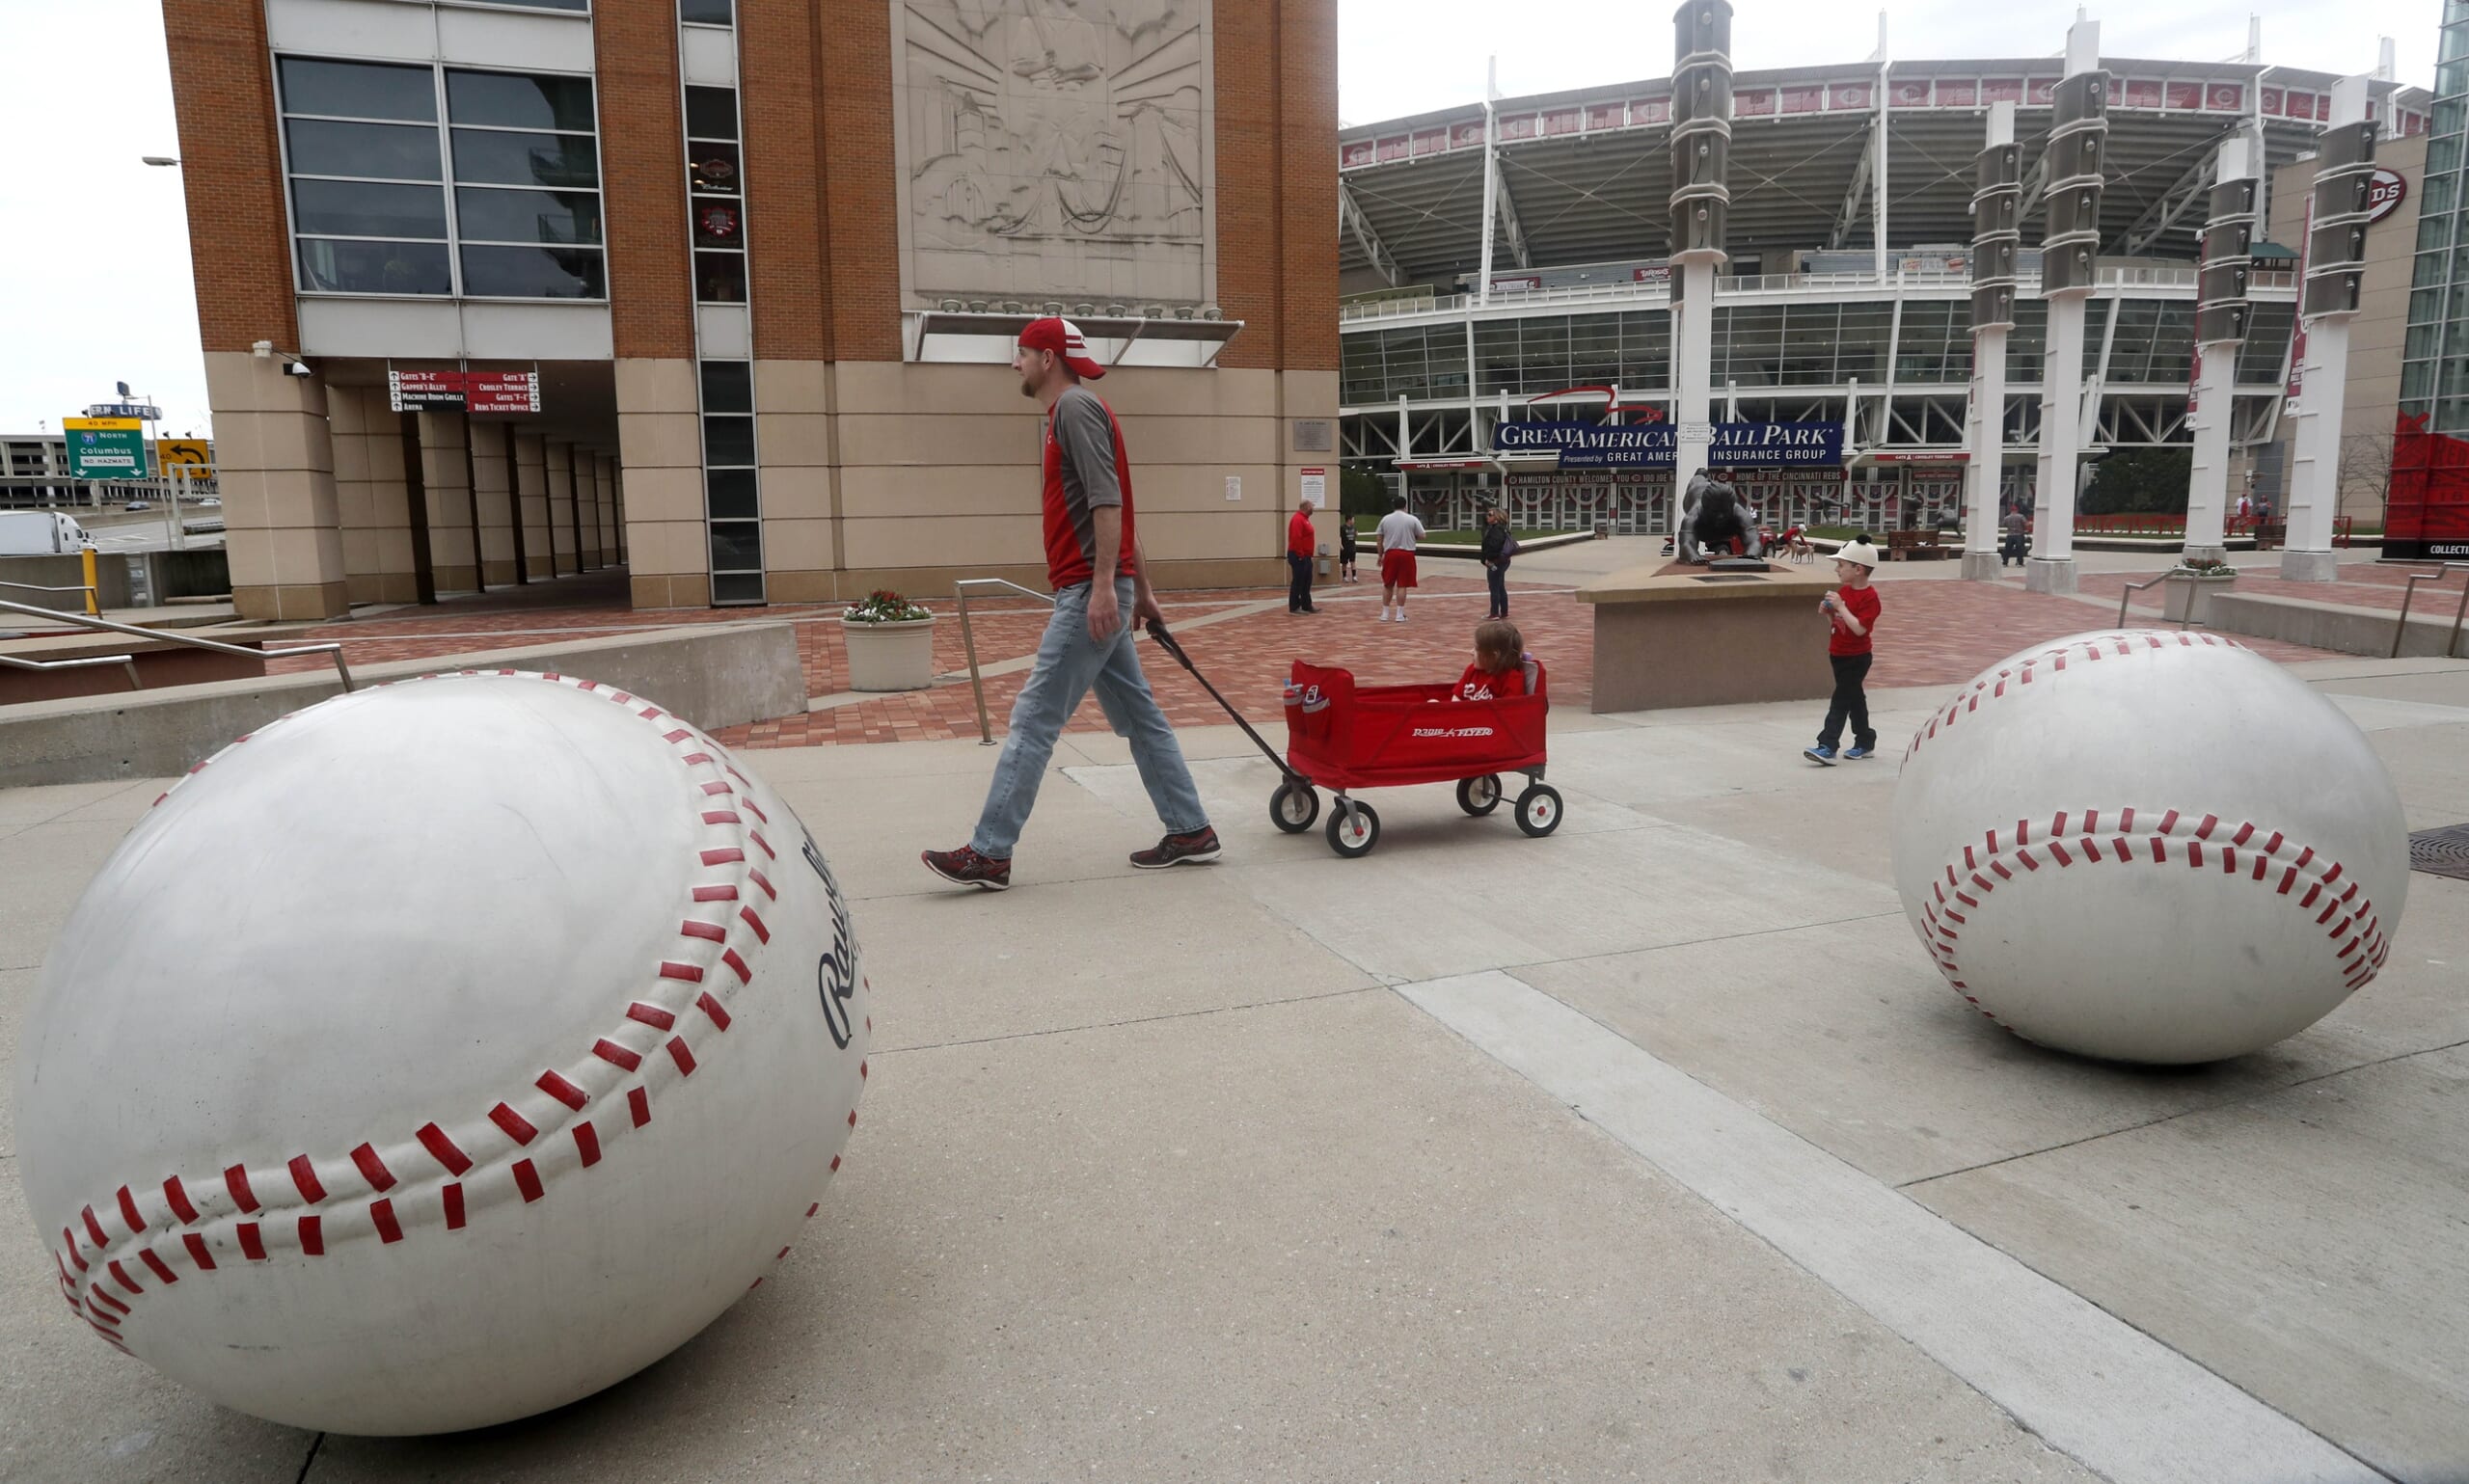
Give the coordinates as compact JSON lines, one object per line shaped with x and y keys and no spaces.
{"x":439,"y":1055}
{"x":2150,"y":846}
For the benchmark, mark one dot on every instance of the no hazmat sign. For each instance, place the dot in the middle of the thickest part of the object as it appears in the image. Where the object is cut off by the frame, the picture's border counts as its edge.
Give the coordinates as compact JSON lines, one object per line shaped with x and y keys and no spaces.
{"x":477,"y":392}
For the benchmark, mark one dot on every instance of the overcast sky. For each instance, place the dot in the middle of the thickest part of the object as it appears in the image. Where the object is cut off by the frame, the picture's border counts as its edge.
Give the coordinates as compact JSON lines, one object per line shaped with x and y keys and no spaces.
{"x":95,"y":285}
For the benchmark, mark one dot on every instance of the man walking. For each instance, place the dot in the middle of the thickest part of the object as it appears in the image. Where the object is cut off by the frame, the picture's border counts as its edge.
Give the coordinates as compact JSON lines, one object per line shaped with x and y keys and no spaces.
{"x":1095,"y":564}
{"x":1298,"y":560}
{"x":1399,"y":530}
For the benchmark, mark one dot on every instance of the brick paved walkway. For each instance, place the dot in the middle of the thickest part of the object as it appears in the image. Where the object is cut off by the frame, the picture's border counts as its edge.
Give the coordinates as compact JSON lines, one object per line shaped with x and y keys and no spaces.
{"x":1932,"y":632}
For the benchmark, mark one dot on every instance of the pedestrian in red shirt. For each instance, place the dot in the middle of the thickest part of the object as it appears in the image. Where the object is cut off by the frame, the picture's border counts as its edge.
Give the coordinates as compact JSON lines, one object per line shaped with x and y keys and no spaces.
{"x":1298,"y":560}
{"x":1852,"y":619}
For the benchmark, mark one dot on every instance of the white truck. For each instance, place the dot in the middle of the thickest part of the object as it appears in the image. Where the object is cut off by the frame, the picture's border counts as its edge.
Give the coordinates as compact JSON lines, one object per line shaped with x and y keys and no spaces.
{"x":42,"y":533}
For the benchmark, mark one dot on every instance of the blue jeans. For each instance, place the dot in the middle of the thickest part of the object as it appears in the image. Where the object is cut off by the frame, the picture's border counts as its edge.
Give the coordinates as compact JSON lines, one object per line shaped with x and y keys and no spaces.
{"x":1496,"y":577}
{"x":1069,"y":666}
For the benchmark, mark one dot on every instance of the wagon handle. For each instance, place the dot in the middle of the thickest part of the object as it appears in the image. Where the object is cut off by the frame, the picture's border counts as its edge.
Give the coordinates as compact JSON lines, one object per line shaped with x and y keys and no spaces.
{"x":1166,"y":642}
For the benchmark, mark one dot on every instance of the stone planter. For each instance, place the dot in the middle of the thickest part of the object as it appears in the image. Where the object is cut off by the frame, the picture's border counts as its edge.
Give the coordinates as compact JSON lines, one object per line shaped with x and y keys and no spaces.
{"x":2184,"y":599}
{"x":891,"y":657}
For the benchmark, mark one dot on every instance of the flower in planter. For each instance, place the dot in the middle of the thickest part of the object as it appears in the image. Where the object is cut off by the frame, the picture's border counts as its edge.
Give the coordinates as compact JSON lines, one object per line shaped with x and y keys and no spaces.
{"x":2206,"y":566}
{"x":883,"y":606}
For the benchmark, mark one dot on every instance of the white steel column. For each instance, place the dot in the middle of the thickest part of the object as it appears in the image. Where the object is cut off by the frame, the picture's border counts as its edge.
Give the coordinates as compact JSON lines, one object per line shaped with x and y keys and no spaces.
{"x":2335,"y":254}
{"x":1491,"y":174}
{"x":2068,"y":273}
{"x":1701,"y":133}
{"x":2220,"y":328}
{"x":1995,"y":237}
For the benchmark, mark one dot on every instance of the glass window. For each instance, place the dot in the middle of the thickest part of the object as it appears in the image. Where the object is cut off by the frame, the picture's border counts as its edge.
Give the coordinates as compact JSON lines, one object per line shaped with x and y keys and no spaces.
{"x":719,"y":223}
{"x":484,"y":214}
{"x":728,"y":387}
{"x":1543,"y":353}
{"x":520,"y":100}
{"x":728,"y":440}
{"x":524,"y":159}
{"x":387,"y":152}
{"x":366,"y":208}
{"x":719,"y":278}
{"x":533,"y":273}
{"x":1594,"y":350}
{"x":729,"y":494}
{"x":358,"y":89}
{"x":1645,"y":349}
{"x":737,"y":587}
{"x":711,"y":113}
{"x":711,"y":169}
{"x":2096,"y":323}
{"x":2259,"y":360}
{"x":707,"y":12}
{"x":737,"y":546}
{"x":1495,"y":367}
{"x":2027,"y":343}
{"x":328,"y":266}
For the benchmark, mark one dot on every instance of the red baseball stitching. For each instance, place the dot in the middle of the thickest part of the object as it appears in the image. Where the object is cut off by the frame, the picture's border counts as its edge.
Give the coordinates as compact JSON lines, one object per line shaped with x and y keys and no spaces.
{"x":1994,"y":686}
{"x":2278,"y":865}
{"x":616,"y":1069}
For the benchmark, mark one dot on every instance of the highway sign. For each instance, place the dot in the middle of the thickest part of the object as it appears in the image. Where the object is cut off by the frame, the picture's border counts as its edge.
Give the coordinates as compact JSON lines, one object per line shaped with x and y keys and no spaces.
{"x":193,"y":457}
{"x":106,"y":449}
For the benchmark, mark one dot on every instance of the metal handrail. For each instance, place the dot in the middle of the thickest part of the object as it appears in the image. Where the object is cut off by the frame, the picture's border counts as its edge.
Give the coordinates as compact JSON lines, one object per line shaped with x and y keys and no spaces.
{"x":2173,"y":575}
{"x":2408,"y":595}
{"x":968,"y":642}
{"x":174,"y":636}
{"x":93,"y":599}
{"x":126,"y":663}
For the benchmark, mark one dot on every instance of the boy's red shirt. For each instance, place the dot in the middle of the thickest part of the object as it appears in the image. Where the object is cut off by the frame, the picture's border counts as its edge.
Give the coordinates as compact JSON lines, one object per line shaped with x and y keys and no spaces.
{"x":1481,"y":685}
{"x":1862,"y":604}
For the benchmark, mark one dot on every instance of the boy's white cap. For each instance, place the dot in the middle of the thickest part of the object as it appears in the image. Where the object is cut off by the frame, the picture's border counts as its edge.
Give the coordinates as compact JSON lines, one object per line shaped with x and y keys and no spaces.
{"x":1860,"y":551}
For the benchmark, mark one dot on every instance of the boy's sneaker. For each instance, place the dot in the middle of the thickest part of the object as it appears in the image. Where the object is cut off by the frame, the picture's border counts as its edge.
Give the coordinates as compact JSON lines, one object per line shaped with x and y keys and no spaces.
{"x":1179,"y":850}
{"x":1821,"y":754}
{"x":1856,"y":753}
{"x":966,"y":867}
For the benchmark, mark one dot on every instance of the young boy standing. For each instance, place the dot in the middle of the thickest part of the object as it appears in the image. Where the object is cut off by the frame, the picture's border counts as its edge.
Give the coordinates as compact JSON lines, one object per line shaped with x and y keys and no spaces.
{"x":1851,"y":617}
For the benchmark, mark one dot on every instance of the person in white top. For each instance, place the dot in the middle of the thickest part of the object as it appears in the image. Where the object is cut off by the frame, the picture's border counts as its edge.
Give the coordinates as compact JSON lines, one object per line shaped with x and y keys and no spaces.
{"x":1399,"y":530}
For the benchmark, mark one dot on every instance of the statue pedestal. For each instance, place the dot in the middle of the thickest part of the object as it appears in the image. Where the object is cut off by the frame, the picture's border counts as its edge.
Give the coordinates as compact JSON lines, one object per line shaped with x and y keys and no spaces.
{"x":2049,"y":573}
{"x":1669,"y":635}
{"x":1981,"y":566}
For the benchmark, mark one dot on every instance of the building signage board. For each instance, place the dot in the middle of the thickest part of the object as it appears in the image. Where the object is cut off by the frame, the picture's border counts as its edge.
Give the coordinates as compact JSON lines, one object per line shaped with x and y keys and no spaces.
{"x":106,"y":449}
{"x":479,"y":392}
{"x":1654,"y":446}
{"x":2385,"y":195}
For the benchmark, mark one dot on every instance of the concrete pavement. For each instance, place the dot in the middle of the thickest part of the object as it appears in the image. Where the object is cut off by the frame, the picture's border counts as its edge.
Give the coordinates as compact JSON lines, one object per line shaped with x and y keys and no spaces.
{"x":1655,"y":1149}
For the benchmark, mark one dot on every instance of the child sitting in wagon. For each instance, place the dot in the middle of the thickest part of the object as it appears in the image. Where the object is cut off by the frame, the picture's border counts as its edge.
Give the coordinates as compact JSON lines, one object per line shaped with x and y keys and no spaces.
{"x":1501,"y":663}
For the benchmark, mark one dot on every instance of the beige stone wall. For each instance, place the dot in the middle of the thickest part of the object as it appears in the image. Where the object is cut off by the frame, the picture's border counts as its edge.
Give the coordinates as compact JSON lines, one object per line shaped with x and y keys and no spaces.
{"x":276,"y":466}
{"x":605,"y":508}
{"x":558,"y":471}
{"x":660,"y":443}
{"x":492,"y":491}
{"x":369,"y":497}
{"x":796,"y":439}
{"x":531,"y":497}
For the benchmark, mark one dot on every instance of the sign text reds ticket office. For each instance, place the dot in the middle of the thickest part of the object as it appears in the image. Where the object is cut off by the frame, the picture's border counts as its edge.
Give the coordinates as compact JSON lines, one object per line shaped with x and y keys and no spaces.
{"x":1656,"y":445}
{"x":479,"y":392}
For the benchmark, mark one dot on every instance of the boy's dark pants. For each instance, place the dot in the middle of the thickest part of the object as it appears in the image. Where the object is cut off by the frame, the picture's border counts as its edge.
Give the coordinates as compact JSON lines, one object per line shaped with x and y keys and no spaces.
{"x":1850,"y":700}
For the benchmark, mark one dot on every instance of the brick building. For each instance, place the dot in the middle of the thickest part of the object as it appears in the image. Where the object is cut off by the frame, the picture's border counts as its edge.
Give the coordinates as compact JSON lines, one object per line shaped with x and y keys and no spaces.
{"x":767,"y":258}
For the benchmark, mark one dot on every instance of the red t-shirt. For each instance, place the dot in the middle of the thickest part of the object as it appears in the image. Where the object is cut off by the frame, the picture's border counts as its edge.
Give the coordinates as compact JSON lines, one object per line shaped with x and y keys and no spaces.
{"x":1298,"y":535}
{"x":1481,"y":685}
{"x":1086,"y":469}
{"x":1862,"y":604}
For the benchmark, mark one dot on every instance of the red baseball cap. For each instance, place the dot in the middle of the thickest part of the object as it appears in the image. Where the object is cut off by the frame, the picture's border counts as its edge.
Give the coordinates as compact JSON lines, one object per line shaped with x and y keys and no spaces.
{"x":1063,"y":337}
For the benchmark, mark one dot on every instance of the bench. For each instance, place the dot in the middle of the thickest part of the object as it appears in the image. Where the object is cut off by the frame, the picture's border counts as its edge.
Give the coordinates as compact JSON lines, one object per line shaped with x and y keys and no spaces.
{"x":1915,"y":545}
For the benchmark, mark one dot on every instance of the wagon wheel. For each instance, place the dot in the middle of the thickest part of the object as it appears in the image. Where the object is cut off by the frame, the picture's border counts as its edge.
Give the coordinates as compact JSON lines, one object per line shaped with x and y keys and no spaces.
{"x":1538,"y":810}
{"x":1294,"y":807}
{"x":1479,"y":796}
{"x":1353,"y":830}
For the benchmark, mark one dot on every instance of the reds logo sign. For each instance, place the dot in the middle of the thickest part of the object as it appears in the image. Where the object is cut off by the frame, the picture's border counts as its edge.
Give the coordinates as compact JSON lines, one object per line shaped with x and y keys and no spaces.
{"x":2385,"y":195}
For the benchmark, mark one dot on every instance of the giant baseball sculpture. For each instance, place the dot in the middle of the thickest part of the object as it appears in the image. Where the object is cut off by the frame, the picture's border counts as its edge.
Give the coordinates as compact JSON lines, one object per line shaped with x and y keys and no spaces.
{"x":439,"y":1055}
{"x":2150,"y":846}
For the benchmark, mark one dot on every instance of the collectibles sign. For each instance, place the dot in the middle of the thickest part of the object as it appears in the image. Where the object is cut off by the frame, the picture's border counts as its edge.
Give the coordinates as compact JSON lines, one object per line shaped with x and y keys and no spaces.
{"x":479,"y":391}
{"x":1655,"y":445}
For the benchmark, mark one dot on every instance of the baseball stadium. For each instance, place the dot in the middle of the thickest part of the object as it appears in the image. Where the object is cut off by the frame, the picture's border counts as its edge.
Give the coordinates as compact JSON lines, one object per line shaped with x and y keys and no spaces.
{"x":1846,"y":293}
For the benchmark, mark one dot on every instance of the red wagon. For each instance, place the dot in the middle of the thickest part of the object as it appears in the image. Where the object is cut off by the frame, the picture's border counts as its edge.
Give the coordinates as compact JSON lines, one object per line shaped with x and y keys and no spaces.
{"x":1342,"y":737}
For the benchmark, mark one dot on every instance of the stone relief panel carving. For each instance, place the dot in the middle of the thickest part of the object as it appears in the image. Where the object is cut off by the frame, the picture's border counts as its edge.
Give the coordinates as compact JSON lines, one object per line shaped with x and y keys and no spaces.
{"x":1055,"y":149}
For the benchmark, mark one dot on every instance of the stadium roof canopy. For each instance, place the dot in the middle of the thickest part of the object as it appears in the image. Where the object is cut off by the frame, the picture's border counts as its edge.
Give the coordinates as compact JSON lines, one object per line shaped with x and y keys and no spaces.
{"x":1586,"y":173}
